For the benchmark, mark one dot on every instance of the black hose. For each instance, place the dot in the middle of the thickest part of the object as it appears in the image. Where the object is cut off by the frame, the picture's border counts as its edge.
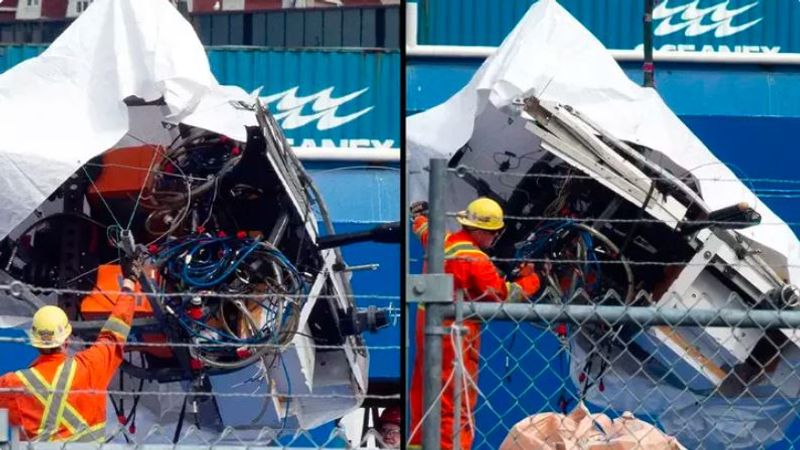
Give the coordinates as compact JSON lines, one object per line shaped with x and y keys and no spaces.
{"x":635,"y":227}
{"x":181,"y":417}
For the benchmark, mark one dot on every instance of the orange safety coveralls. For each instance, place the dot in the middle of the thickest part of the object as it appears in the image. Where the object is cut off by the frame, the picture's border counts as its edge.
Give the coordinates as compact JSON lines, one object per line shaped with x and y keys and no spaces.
{"x":475,"y":275}
{"x":47,"y":402}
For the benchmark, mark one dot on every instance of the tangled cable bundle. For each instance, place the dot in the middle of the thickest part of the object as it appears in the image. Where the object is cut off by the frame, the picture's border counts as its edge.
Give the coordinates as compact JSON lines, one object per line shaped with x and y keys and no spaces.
{"x":203,"y":266}
{"x":186,"y":171}
{"x":566,"y":242}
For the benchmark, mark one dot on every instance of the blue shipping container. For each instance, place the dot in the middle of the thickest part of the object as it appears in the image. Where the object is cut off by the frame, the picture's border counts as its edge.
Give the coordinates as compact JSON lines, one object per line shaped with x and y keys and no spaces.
{"x":741,"y":26}
{"x":337,"y":98}
{"x":321,"y":98}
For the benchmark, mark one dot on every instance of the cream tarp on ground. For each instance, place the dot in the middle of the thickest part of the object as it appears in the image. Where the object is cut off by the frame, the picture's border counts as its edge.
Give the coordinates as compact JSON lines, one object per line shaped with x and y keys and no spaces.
{"x":550,"y":55}
{"x":582,"y":430}
{"x":64,"y":107}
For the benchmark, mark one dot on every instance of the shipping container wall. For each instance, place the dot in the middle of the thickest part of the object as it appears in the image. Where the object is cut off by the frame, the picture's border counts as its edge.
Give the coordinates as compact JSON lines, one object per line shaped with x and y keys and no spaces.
{"x":31,"y":32}
{"x":325,"y":27}
{"x":362,"y":27}
{"x":742,"y":26}
{"x":213,"y":5}
{"x":321,"y":98}
{"x":11,"y":55}
{"x":744,"y":90}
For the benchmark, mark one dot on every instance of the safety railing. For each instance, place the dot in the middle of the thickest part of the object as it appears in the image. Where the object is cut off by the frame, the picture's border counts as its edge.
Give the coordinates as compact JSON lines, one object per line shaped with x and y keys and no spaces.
{"x":703,"y":360}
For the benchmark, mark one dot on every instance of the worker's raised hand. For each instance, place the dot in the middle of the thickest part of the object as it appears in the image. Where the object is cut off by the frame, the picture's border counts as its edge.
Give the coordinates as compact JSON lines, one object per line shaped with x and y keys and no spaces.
{"x":419,"y":208}
{"x":132,"y":265}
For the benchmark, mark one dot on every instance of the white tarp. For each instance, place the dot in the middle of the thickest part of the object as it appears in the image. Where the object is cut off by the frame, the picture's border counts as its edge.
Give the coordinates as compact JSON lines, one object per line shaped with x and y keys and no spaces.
{"x":64,"y":107}
{"x":550,"y":55}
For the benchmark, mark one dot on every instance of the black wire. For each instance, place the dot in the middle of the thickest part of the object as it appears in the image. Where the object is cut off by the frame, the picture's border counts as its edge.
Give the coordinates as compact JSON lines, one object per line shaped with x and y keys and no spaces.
{"x":507,"y":376}
{"x":180,"y":420}
{"x":132,"y":413}
{"x":121,"y":397}
{"x":587,"y":368}
{"x":635,"y":226}
{"x":134,"y":408}
{"x":117,"y":412}
{"x":562,"y":359}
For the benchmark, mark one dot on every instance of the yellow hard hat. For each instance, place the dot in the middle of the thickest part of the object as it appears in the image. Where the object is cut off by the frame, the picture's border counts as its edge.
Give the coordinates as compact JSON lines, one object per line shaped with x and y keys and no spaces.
{"x":50,"y":327}
{"x":483,"y":213}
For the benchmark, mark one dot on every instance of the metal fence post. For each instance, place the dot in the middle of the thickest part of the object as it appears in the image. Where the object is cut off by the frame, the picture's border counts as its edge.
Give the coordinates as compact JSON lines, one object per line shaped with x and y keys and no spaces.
{"x":5,"y":429}
{"x":648,"y":65}
{"x":9,"y":435}
{"x":405,"y":320}
{"x":431,"y":430}
{"x":457,"y":372}
{"x":436,"y":226}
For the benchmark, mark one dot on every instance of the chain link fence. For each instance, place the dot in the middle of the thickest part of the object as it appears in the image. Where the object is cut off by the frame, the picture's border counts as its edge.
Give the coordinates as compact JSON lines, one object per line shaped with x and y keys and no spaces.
{"x":642,"y":335}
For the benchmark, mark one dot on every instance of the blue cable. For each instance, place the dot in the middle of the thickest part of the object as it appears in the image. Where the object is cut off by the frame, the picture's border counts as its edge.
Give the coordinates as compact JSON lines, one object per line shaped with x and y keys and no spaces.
{"x":211,"y":261}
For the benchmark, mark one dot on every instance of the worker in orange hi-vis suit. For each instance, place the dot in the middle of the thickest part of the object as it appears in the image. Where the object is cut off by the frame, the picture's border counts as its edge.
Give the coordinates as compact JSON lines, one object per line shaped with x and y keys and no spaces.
{"x":62,"y":397}
{"x":477,"y":278}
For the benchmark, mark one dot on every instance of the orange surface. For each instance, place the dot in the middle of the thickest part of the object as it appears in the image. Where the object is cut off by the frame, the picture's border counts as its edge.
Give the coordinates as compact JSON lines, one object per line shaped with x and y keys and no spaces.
{"x":124,"y":170}
{"x":105,"y":295}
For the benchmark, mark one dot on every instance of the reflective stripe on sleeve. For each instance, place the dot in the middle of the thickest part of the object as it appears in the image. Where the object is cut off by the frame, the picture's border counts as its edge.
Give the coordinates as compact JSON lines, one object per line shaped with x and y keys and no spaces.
{"x":117,"y":327}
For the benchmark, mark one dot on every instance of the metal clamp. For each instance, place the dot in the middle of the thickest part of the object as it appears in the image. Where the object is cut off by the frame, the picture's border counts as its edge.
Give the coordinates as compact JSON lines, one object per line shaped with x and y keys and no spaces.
{"x":127,"y":243}
{"x":430,"y":288}
{"x":439,"y":331}
{"x":16,"y":288}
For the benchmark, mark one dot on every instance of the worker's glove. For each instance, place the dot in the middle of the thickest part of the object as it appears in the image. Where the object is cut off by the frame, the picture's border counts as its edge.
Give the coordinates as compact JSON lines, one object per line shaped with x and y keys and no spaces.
{"x":132,"y":265}
{"x":529,"y":284}
{"x":525,"y":269}
{"x":419,"y":208}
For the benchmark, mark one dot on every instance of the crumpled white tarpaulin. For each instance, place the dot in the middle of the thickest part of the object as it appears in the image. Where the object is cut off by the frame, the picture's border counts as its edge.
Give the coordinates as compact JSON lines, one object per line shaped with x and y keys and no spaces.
{"x":550,"y":55}
{"x":65,"y":107}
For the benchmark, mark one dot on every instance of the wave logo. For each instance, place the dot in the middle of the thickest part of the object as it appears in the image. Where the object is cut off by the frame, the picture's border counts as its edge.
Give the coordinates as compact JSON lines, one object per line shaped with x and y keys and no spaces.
{"x":324,"y":107}
{"x":690,"y":17}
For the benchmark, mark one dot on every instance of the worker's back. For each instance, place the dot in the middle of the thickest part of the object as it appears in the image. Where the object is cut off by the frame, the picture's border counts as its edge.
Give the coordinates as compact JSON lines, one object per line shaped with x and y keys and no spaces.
{"x":476,"y":277}
{"x":35,"y":397}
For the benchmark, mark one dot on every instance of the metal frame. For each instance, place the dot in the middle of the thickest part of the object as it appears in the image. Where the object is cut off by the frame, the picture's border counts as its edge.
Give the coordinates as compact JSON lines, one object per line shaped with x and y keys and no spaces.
{"x":572,"y":140}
